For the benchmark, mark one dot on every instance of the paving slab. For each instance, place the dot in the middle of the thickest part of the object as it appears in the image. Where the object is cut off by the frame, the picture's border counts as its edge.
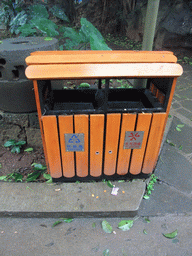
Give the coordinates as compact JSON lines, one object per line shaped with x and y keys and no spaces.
{"x":70,"y":199}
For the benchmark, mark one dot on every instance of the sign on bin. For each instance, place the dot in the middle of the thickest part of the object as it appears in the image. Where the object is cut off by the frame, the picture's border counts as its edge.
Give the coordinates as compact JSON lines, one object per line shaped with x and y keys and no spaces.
{"x":74,"y":142}
{"x":133,"y":140}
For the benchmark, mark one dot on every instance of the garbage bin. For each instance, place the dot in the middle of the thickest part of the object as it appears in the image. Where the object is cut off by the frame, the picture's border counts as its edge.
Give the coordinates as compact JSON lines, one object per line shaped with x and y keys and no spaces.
{"x":102,"y":131}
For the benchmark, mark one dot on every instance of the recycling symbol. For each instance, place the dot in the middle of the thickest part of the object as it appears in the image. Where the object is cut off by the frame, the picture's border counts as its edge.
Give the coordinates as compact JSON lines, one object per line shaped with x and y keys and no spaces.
{"x":74,"y":139}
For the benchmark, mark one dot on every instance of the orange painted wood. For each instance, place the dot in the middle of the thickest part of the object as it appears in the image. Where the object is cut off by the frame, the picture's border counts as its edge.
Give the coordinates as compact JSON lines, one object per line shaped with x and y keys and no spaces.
{"x":96,"y":144}
{"x":83,"y":52}
{"x":154,"y":142}
{"x":111,"y":143}
{"x":40,"y":122}
{"x":115,"y":57}
{"x":66,"y":126}
{"x":52,"y":145}
{"x":128,"y":124}
{"x":143,"y":124}
{"x":81,"y":71}
{"x":81,"y":126}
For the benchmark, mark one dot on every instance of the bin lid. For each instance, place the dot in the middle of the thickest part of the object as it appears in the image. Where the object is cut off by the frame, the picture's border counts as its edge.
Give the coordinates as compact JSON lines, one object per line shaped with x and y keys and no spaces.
{"x":101,"y":64}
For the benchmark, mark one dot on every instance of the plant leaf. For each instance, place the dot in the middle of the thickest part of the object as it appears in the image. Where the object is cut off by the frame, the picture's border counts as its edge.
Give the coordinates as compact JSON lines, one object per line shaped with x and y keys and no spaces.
{"x":57,"y":223}
{"x":106,"y":252}
{"x":144,"y":232}
{"x":171,"y":235}
{"x":46,"y":26}
{"x":59,"y":13}
{"x":97,"y":43}
{"x":147,"y":220}
{"x":93,"y":225}
{"x":180,"y":125}
{"x":38,"y":11}
{"x":33,"y":176}
{"x":109,"y":184}
{"x":9,"y":143}
{"x":28,"y":149}
{"x":17,"y":177}
{"x":146,"y":197}
{"x":48,"y":38}
{"x":20,"y":143}
{"x":106,"y":227}
{"x":27,"y":30}
{"x":38,"y":167}
{"x":178,"y":129}
{"x":125,"y":225}
{"x":67,"y":220}
{"x":84,"y":85}
{"x":3,"y":177}
{"x":15,"y":149}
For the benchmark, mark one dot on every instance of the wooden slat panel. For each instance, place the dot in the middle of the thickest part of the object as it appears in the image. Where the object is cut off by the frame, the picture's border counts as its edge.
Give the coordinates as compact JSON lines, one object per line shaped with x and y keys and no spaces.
{"x":67,"y":71}
{"x":111,"y":143}
{"x":96,"y":144}
{"x":114,"y":57}
{"x":128,"y":124}
{"x":83,"y":52}
{"x":81,"y":126}
{"x":52,"y":145}
{"x":66,"y":126}
{"x":154,"y":142}
{"x":143,"y":124}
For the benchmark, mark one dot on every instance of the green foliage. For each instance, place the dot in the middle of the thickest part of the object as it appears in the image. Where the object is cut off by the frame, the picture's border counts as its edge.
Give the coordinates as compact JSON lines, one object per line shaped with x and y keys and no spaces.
{"x":125,"y":225}
{"x":12,"y":177}
{"x":150,"y":186}
{"x":171,"y":235}
{"x":38,"y":170}
{"x":59,"y":13}
{"x":47,"y":27}
{"x":15,"y":146}
{"x":106,"y":227}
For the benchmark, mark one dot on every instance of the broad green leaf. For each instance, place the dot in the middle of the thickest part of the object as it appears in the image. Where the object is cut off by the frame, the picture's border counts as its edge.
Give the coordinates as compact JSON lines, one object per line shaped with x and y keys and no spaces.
{"x":125,"y":225}
{"x":3,"y":177}
{"x":38,"y":167}
{"x":144,"y":232}
{"x":38,"y":11}
{"x":171,"y":235}
{"x":48,"y":38}
{"x":19,"y":20}
{"x":57,"y":223}
{"x":106,"y":227}
{"x":59,"y":13}
{"x":33,"y":176}
{"x":146,"y":197}
{"x":46,"y":26}
{"x":84,"y":85}
{"x":47,"y":176}
{"x":27,"y":30}
{"x":28,"y":149}
{"x":9,"y":143}
{"x":98,"y":44}
{"x":106,"y":252}
{"x":88,"y":29}
{"x":18,"y":177}
{"x":109,"y":184}
{"x":15,"y":149}
{"x":20,"y":143}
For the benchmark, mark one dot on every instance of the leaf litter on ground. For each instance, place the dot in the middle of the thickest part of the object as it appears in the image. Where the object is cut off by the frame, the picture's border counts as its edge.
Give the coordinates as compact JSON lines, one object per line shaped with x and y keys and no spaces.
{"x":106,"y":227}
{"x":171,"y":235}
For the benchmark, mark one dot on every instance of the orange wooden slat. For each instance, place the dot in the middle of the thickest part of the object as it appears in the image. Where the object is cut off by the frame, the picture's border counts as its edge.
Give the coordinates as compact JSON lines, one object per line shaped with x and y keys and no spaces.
{"x":81,"y":71}
{"x":66,"y":126}
{"x":96,"y":144}
{"x":128,"y":124}
{"x":82,"y":126}
{"x":143,"y":124}
{"x":52,"y":145}
{"x":154,"y":142}
{"x":126,"y":57}
{"x":83,"y":52}
{"x":111,"y":143}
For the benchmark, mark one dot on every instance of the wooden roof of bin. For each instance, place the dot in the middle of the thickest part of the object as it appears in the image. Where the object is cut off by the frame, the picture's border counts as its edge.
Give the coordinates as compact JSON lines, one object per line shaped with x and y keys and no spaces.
{"x":101,"y":64}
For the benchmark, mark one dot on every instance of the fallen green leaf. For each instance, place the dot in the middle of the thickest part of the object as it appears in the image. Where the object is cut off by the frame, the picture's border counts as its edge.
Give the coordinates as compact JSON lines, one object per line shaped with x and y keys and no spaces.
{"x":125,"y":224}
{"x":3,"y":177}
{"x":57,"y":223}
{"x":180,"y":125}
{"x":110,"y":184}
{"x":67,"y":220}
{"x":180,"y":147}
{"x":121,"y":181}
{"x":171,"y":235}
{"x":33,"y":176}
{"x":48,"y":38}
{"x":178,"y":129}
{"x":28,"y":149}
{"x":106,"y":227}
{"x":106,"y":252}
{"x":93,"y":225}
{"x":147,"y":220}
{"x":146,"y":197}
{"x":144,"y":232}
{"x":1,"y":42}
{"x":84,"y":85}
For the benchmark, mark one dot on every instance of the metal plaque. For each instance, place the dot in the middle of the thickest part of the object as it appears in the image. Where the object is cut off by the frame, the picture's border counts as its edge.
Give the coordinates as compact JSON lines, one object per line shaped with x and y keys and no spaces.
{"x":133,"y":140}
{"x":74,"y":142}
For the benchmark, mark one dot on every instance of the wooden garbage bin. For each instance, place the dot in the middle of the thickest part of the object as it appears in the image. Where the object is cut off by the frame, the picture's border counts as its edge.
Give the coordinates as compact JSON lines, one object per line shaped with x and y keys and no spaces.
{"x":101,"y":131}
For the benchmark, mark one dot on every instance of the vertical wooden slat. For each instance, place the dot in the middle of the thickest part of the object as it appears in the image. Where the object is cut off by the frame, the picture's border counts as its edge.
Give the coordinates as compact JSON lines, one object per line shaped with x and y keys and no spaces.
{"x":111,"y":143}
{"x":143,"y":124}
{"x":96,"y":144}
{"x":82,"y":126}
{"x":128,"y":124}
{"x":154,"y":142}
{"x":52,"y":145}
{"x":66,"y":126}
